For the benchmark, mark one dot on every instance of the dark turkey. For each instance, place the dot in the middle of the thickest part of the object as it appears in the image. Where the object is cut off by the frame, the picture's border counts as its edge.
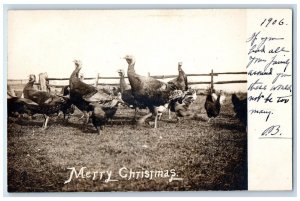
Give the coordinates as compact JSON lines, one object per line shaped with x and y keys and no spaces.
{"x":68,"y":108}
{"x":17,"y":105}
{"x":147,"y":90}
{"x":240,"y":108}
{"x":45,"y":103}
{"x":82,"y":94}
{"x":127,"y":95}
{"x":30,"y":92}
{"x":104,"y":112}
{"x":180,"y":82}
{"x":213,"y":104}
{"x":26,"y":106}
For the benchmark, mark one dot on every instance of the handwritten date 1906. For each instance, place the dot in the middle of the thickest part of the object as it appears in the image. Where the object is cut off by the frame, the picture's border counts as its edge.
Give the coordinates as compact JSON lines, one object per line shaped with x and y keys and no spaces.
{"x":272,"y":21}
{"x":272,"y":131}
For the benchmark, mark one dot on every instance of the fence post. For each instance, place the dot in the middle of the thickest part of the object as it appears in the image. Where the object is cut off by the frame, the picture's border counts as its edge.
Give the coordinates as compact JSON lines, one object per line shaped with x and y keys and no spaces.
{"x":212,"y":80}
{"x":97,"y":79}
{"x":43,"y":81}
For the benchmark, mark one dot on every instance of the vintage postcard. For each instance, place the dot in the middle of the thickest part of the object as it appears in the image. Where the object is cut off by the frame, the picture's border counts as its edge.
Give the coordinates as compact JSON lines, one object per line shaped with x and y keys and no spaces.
{"x":149,"y":100}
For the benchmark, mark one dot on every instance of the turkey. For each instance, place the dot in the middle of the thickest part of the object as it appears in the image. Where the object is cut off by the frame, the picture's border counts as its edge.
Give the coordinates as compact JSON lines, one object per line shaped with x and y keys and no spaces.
{"x":16,"y":105}
{"x":101,"y":113}
{"x":68,"y":108}
{"x":115,"y":91}
{"x":31,"y":93}
{"x":123,"y":85}
{"x":181,"y":101}
{"x":153,"y":93}
{"x":180,"y":82}
{"x":213,"y":103}
{"x":26,"y":106}
{"x":40,"y":97}
{"x":89,"y":99}
{"x":10,"y":92}
{"x":147,"y":90}
{"x":240,"y":108}
{"x":127,"y":95}
{"x":81,"y":94}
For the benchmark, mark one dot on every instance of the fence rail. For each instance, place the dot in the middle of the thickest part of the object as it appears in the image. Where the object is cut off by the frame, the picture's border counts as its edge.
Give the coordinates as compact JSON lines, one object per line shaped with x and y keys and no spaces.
{"x":98,"y":78}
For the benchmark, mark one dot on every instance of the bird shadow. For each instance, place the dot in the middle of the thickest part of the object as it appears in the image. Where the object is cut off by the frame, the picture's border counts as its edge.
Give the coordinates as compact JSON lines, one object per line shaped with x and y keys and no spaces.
{"x":223,"y":115}
{"x":25,"y":122}
{"x":233,"y":127}
{"x":83,"y":127}
{"x":172,"y":121}
{"x":89,"y":128}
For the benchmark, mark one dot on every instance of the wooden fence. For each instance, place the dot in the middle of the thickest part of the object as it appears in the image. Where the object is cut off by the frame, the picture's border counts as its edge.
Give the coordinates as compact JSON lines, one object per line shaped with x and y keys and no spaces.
{"x":98,"y":79}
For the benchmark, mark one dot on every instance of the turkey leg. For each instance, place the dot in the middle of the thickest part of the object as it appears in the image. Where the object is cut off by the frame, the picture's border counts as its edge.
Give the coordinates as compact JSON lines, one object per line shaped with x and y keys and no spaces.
{"x":169,"y":113}
{"x":155,"y":121}
{"x":46,"y":121}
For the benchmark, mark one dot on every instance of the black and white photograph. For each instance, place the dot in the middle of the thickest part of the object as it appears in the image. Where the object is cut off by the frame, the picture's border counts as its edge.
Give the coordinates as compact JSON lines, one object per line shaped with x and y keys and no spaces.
{"x":149,"y":100}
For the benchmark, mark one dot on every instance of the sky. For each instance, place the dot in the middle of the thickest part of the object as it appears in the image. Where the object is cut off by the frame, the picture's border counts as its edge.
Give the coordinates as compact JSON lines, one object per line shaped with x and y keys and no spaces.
{"x":48,"y":41}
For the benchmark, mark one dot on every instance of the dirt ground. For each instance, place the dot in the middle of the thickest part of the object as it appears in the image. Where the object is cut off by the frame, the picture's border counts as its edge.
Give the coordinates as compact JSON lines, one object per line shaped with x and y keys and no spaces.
{"x":205,"y":155}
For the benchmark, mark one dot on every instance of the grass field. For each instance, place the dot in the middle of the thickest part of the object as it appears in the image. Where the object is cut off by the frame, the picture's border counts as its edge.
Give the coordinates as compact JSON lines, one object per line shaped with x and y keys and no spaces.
{"x":206,"y":155}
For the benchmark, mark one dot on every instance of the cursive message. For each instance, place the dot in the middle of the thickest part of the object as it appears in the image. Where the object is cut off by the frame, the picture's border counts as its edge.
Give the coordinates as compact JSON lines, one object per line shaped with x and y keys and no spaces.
{"x":269,"y":69}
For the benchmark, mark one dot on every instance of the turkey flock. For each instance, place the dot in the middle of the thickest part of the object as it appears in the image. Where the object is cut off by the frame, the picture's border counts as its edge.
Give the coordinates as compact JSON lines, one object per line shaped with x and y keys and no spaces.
{"x":99,"y":106}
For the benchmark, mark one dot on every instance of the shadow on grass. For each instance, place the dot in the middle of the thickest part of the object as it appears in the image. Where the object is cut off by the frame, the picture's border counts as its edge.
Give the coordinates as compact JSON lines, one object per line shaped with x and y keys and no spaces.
{"x":27,"y":122}
{"x":233,"y":127}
